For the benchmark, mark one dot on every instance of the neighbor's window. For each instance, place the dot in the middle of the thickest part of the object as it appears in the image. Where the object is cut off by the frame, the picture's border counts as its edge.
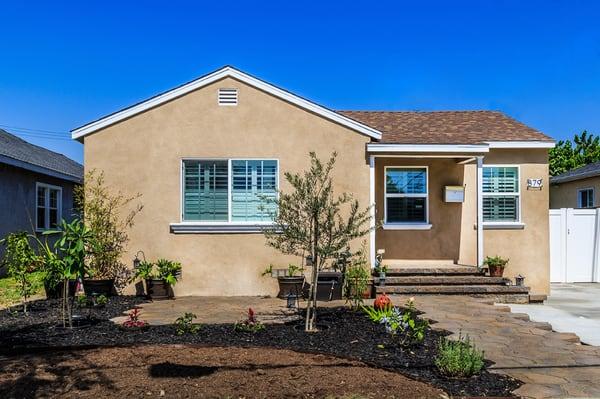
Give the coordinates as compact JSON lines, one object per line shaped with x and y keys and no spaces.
{"x":501,"y":194}
{"x":48,"y":206}
{"x":406,"y":195}
{"x":585,"y":198}
{"x":235,"y":190}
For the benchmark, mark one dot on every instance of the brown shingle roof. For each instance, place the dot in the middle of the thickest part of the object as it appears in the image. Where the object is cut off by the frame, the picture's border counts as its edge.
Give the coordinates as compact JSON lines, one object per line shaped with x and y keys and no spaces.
{"x":446,"y":127}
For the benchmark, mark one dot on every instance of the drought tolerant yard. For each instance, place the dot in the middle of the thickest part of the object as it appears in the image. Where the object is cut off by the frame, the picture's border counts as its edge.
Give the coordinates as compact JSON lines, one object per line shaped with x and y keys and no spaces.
{"x":349,"y":356}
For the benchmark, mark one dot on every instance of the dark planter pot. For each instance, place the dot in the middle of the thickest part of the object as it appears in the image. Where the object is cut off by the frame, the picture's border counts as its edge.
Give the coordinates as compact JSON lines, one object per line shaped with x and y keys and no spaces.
{"x":99,"y":287}
{"x":158,"y":289}
{"x":496,"y":271}
{"x":329,"y":286}
{"x":290,"y":285}
{"x":57,"y":291}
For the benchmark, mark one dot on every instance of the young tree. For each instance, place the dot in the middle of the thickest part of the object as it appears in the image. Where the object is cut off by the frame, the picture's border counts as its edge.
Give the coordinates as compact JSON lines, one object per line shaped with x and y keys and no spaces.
{"x":20,"y":261}
{"x":312,"y":220}
{"x":101,"y":211}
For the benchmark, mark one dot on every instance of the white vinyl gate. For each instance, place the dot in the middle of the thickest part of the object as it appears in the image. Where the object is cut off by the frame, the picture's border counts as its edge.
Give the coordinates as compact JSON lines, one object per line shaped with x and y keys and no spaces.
{"x":574,"y":245}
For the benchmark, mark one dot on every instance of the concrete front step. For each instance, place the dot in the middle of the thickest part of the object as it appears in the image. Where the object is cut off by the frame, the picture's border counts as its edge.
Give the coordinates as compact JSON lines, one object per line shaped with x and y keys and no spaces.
{"x":443,"y":280}
{"x":432,"y":271}
{"x":452,"y":289}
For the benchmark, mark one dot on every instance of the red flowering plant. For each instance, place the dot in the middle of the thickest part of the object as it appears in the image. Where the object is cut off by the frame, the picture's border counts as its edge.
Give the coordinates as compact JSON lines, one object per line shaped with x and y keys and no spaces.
{"x":133,"y":320}
{"x":250,"y":324}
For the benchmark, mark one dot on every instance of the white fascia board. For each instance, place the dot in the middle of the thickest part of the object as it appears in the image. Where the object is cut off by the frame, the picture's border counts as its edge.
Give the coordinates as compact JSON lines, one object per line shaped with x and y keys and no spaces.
{"x":521,"y":144}
{"x":213,"y":77}
{"x":441,"y":148}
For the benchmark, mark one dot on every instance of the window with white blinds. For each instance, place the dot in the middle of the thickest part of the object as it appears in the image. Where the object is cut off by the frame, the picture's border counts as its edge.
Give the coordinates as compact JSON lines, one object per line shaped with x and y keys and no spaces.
{"x":48,"y":206}
{"x":501,"y":194}
{"x":406,"y":195}
{"x":234,"y":190}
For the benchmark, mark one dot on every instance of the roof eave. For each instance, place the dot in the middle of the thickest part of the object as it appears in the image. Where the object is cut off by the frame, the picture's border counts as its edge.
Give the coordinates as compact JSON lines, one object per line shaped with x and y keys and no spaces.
{"x":82,"y":131}
{"x":39,"y":169}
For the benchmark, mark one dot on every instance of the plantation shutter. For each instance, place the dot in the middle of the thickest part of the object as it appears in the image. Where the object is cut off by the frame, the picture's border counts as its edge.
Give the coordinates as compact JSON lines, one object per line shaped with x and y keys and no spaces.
{"x":501,"y":194}
{"x":253,"y":190}
{"x":205,"y":191}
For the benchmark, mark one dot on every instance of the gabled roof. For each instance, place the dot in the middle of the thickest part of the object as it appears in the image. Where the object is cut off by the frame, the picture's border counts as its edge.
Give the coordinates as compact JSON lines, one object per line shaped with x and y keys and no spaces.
{"x":219,"y":74}
{"x":18,"y":152}
{"x":447,"y":127}
{"x":584,"y":172}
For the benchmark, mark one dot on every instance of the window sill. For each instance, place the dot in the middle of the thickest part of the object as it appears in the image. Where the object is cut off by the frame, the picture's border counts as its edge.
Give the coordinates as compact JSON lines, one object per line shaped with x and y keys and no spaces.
{"x":503,"y":226}
{"x":218,"y":228}
{"x":406,"y":226}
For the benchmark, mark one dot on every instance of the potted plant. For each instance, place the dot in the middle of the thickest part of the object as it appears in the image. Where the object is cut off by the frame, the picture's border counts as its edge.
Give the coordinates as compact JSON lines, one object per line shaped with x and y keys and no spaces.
{"x":159,"y":283}
{"x":496,"y":265}
{"x":292,"y":282}
{"x":380,"y":268}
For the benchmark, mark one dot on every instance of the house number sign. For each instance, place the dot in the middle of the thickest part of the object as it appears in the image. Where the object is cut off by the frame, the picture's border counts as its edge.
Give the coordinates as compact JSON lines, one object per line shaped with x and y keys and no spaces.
{"x":534,"y":184}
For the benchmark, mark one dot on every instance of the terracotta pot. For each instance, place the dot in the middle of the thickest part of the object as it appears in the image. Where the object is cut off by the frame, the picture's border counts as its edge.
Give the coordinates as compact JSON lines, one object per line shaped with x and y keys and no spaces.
{"x":496,"y":271}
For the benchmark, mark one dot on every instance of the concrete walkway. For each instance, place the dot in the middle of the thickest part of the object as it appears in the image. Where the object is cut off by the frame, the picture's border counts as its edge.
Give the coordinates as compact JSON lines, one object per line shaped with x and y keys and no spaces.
{"x":550,"y":363}
{"x":570,"y":308}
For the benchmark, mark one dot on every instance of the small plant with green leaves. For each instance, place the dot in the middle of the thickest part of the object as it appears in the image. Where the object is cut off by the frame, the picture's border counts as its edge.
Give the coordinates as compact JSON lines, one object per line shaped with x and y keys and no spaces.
{"x":376,"y":315}
{"x":144,"y":270}
{"x":100,"y":300}
{"x":250,"y":324}
{"x":268,"y":271}
{"x":293,"y":270}
{"x":402,"y":324}
{"x":356,"y":281}
{"x":459,"y":359}
{"x":21,"y":261}
{"x":185,"y":324}
{"x":82,"y":301}
{"x":168,"y":271}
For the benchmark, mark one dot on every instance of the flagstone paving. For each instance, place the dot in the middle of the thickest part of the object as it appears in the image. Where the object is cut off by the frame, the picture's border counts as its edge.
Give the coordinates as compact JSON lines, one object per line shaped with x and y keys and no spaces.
{"x":550,"y":364}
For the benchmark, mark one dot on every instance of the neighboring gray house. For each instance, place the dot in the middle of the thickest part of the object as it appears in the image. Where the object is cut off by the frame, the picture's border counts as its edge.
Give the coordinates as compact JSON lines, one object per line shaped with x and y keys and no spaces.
{"x":36,"y":186}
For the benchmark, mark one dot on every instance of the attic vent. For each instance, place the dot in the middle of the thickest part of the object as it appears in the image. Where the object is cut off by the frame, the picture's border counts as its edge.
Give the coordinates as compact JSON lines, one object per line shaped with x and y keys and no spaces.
{"x":228,"y":97}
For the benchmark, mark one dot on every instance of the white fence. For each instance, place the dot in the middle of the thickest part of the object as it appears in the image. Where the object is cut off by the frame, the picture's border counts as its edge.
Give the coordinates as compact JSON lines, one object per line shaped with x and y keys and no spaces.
{"x":574,"y":245}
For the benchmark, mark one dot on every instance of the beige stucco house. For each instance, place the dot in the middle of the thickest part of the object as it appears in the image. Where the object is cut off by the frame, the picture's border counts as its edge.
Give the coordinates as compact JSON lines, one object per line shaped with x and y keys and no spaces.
{"x":576,"y":188}
{"x":448,"y":187}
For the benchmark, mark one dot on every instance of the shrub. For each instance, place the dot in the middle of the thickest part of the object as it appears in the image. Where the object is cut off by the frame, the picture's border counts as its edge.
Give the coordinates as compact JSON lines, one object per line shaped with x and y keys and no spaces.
{"x":21,"y":261}
{"x":458,"y":358}
{"x":101,"y":209}
{"x":250,"y":324}
{"x":185,"y":324}
{"x":495,"y":261}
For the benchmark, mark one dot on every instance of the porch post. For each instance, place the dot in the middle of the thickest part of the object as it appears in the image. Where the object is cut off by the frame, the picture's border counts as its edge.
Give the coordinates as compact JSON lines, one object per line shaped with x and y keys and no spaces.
{"x":372,"y":211}
{"x":479,"y":211}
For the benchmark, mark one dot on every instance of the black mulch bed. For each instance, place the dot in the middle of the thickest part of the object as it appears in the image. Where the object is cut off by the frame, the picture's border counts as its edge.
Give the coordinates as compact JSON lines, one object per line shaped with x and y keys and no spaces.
{"x":347,"y":334}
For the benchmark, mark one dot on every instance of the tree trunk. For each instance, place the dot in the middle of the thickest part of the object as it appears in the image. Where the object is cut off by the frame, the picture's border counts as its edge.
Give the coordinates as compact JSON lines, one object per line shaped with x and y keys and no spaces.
{"x":311,"y":309}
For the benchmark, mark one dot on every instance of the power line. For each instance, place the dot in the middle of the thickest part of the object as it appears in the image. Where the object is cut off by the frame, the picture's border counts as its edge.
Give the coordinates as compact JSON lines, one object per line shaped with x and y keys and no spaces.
{"x":33,"y":130}
{"x":43,"y":137}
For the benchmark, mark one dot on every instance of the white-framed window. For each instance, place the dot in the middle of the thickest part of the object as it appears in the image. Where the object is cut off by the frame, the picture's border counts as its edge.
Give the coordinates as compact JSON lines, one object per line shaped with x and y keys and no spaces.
{"x":406,"y":195}
{"x":48,"y":206}
{"x":229,"y":190}
{"x":501,"y":194}
{"x":585,"y":197}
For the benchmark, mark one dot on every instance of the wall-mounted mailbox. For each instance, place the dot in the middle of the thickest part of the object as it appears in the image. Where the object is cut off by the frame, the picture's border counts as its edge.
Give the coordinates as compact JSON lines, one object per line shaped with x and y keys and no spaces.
{"x":454,"y":194}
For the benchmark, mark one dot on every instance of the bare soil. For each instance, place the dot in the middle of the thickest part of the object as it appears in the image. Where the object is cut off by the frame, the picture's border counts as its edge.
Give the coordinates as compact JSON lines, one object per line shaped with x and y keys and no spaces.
{"x":186,"y":371}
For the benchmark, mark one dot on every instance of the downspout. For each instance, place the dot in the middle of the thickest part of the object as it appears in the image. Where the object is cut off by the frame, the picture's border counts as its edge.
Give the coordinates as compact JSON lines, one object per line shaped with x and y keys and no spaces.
{"x":479,"y":212}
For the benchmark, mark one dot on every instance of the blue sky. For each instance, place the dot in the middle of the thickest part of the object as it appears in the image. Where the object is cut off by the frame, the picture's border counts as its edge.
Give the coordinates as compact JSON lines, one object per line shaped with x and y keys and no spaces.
{"x":65,"y":64}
